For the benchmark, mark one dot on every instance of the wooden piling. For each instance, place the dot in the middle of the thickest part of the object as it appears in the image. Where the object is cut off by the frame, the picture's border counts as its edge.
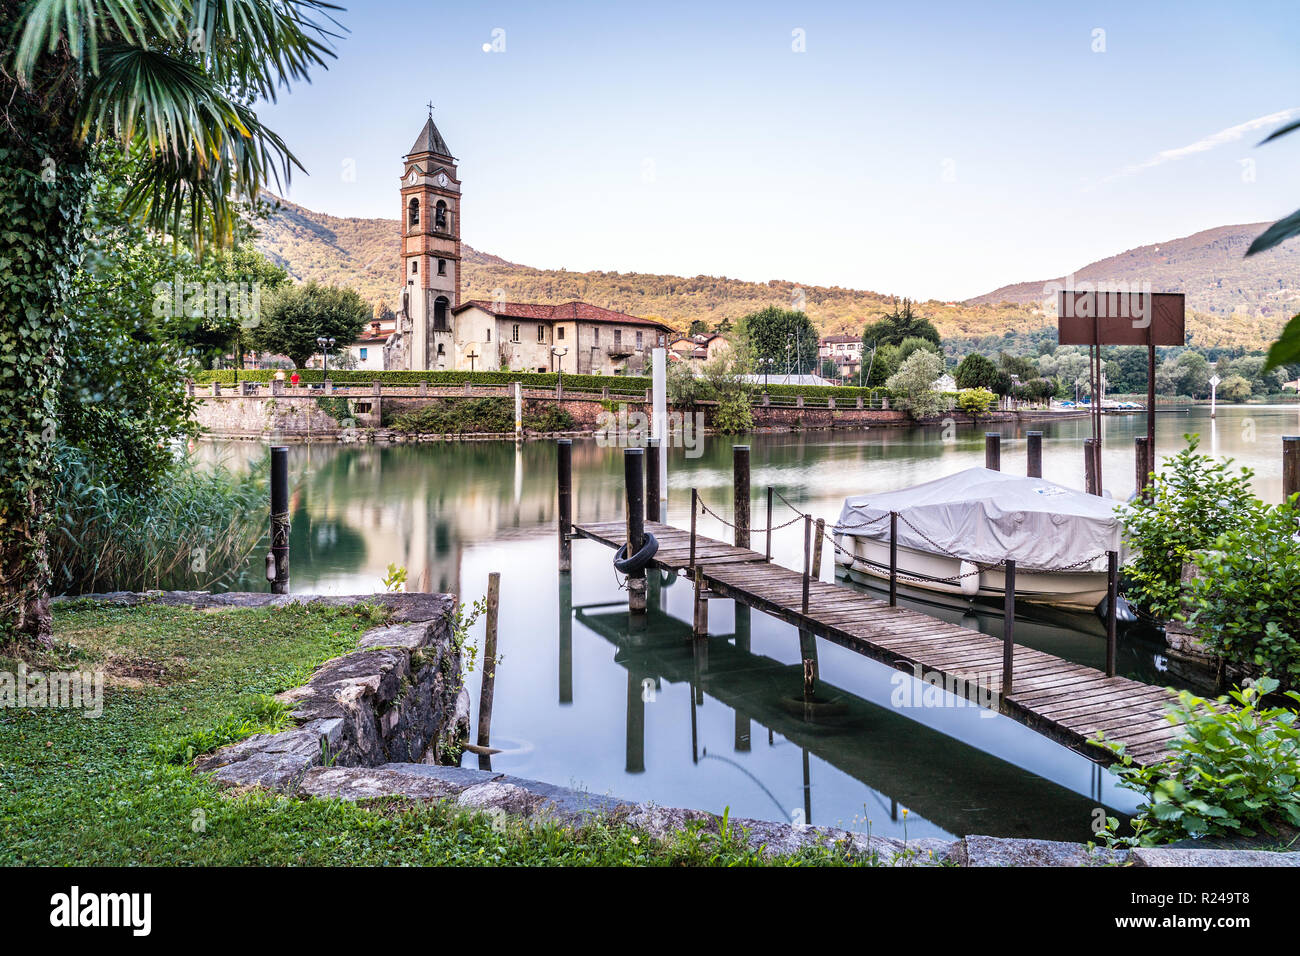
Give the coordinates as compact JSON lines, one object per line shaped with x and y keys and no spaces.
{"x":740,"y":492}
{"x":1034,"y":467}
{"x":1090,"y":466}
{"x":564,"y":449}
{"x":768,"y":553}
{"x":634,"y":478}
{"x":1290,"y":466}
{"x":488,"y":685}
{"x":695,"y":507}
{"x":700,"y":624}
{"x":807,"y":558}
{"x":280,"y":518}
{"x":1112,"y":599}
{"x":1141,"y":463}
{"x":1008,"y":625}
{"x":652,"y":509}
{"x":893,"y":559}
{"x":819,"y":530}
{"x":993,"y":451}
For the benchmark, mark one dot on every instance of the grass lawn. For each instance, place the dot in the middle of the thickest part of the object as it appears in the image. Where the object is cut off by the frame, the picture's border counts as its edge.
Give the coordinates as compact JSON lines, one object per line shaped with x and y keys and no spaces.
{"x":116,"y":790}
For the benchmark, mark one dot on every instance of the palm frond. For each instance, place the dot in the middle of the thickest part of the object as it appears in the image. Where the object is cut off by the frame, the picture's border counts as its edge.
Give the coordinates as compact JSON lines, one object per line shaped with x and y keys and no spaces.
{"x":83,"y":24}
{"x":1282,"y":131}
{"x":1279,"y":232}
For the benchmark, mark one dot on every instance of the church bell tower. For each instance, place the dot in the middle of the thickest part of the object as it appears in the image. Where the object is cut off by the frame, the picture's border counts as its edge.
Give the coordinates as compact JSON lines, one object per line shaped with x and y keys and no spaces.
{"x":430,"y":252}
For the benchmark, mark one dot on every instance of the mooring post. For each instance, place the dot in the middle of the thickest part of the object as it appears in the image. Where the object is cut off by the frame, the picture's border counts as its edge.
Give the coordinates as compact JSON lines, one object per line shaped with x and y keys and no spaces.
{"x":652,"y":512}
{"x":1112,"y":599}
{"x":488,"y":685}
{"x":279,"y":520}
{"x":893,"y":559}
{"x":740,"y":492}
{"x":1141,"y":462}
{"x":993,"y":451}
{"x":566,"y":638}
{"x":519,"y":410}
{"x":807,"y":558}
{"x":634,"y":477}
{"x":1008,"y":625}
{"x":1290,"y":466}
{"x":695,"y":507}
{"x":819,"y":531}
{"x":1034,"y":468}
{"x":768,"y":553}
{"x":1090,"y":466}
{"x":564,"y":448}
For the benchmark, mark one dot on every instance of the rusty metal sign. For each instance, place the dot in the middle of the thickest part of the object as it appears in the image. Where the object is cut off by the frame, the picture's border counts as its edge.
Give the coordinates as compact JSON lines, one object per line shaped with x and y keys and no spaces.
{"x":1120,"y":318}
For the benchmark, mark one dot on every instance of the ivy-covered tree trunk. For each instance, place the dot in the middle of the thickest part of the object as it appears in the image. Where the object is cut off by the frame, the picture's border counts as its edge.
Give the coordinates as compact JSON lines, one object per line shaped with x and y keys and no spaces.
{"x":43,"y":186}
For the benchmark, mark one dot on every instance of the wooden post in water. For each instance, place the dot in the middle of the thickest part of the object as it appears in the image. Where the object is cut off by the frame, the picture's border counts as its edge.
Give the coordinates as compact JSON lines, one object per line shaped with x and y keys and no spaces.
{"x":740,"y":492}
{"x":1290,"y":466}
{"x":280,"y":519}
{"x":1090,"y":466}
{"x":819,"y":531}
{"x":1008,"y":625}
{"x":564,"y":455}
{"x":634,"y":477}
{"x":695,"y":507}
{"x":993,"y":451}
{"x":893,"y":559}
{"x":1112,"y":599}
{"x":489,"y":662}
{"x":700,"y":626}
{"x":768,"y":554}
{"x":1141,"y":462}
{"x":652,"y":510}
{"x":807,"y":558}
{"x":1034,"y":468}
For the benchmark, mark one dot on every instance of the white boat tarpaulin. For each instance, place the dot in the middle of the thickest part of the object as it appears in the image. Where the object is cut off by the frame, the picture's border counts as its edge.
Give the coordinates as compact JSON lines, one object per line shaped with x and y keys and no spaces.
{"x":987,"y":516}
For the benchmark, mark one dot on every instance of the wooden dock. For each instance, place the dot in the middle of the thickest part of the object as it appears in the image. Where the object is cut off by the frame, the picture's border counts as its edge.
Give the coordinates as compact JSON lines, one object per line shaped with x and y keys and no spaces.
{"x":1069,"y":703}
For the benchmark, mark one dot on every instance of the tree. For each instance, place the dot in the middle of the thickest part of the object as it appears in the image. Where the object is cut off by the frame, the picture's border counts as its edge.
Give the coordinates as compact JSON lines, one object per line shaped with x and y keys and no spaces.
{"x":913,"y":384}
{"x":698,"y":327}
{"x":297,"y":315}
{"x":1234,"y":389}
{"x":975,"y":371}
{"x":785,"y":338}
{"x":725,"y":383}
{"x":173,"y":78}
{"x":902,"y":323}
{"x":914,"y":342}
{"x":881,"y":362}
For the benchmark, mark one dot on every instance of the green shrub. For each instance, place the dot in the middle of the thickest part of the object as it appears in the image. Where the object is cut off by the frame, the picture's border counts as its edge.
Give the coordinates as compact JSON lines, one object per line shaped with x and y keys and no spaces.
{"x":470,"y":416}
{"x":1187,"y":507}
{"x":1245,"y":602}
{"x":1232,"y":771}
{"x":976,"y":401}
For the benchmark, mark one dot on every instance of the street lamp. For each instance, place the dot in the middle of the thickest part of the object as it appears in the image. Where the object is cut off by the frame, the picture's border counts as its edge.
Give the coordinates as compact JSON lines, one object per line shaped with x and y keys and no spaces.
{"x":325,"y":345}
{"x":558,"y":352}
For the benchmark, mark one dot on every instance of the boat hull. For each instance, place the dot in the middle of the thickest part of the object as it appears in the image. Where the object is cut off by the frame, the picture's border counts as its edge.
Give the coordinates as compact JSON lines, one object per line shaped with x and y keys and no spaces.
{"x":1082,"y":590}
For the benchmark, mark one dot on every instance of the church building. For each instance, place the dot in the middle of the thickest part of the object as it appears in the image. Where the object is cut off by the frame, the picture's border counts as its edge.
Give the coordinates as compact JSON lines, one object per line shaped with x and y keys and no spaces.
{"x":436,"y":331}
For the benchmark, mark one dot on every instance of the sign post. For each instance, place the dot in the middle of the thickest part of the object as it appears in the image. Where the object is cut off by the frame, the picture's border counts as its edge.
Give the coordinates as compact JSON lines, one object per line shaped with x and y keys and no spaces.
{"x":1097,"y":318}
{"x":1214,"y":387}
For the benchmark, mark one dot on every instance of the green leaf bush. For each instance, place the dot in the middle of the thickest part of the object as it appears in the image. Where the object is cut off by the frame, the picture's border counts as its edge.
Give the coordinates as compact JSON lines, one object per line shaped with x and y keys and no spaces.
{"x":1232,"y":771}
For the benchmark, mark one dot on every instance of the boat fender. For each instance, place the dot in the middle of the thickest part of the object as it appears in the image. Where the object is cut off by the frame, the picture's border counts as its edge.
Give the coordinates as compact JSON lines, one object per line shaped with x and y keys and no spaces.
{"x":1124,"y":613}
{"x":970,"y":581}
{"x":639,"y":561}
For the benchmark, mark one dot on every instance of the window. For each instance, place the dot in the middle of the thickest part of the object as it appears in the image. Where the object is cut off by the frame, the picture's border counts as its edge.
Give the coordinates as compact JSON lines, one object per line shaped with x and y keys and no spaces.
{"x":440,"y":305}
{"x":559,"y":333}
{"x":361,"y":408}
{"x":412,"y":212}
{"x":441,"y":349}
{"x":364,"y":353}
{"x":595,"y":335}
{"x":541,"y":333}
{"x":639,"y":343}
{"x":440,"y":215}
{"x":488,"y":333}
{"x":618,"y":337}
{"x":514,"y":333}
{"x":442,"y":267}
{"x":661,"y":340}
{"x":415,"y":266}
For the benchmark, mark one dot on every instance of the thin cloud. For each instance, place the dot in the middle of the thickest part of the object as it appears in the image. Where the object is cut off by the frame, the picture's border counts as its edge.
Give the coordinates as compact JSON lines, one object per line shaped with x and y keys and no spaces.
{"x":1229,"y":135}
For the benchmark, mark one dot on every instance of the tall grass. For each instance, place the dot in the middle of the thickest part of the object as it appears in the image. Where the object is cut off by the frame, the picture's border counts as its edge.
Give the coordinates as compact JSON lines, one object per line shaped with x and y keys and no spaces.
{"x":194,"y":530}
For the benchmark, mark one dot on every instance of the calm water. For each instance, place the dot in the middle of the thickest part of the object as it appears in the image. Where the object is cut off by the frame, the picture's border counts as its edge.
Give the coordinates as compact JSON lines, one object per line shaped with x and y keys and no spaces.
{"x":585,"y":699}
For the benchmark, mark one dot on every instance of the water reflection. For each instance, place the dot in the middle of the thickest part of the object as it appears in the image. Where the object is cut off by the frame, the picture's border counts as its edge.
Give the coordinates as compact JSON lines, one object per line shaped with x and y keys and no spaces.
{"x":648,"y":714}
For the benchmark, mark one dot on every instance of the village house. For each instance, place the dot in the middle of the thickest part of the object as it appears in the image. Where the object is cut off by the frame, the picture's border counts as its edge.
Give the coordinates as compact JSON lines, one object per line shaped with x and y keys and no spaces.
{"x":436,"y":330}
{"x":844,"y":352}
{"x":699,"y":349}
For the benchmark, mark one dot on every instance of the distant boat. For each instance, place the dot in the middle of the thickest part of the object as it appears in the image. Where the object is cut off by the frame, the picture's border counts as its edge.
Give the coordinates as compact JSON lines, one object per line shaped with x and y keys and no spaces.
{"x":955,"y":532}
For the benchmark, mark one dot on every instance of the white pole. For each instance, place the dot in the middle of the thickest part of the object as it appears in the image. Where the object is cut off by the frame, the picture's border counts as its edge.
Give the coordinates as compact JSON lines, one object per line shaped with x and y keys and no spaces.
{"x":1214,"y":387}
{"x":659,"y":421}
{"x":519,"y":412}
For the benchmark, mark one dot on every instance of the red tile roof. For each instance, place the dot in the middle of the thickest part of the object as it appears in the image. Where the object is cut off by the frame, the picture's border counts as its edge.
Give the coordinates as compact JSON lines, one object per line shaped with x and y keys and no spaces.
{"x":567,"y":311}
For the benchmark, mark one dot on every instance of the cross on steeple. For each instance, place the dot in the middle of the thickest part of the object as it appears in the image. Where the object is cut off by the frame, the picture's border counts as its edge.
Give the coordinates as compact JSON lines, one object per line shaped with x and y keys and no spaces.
{"x":430,"y":105}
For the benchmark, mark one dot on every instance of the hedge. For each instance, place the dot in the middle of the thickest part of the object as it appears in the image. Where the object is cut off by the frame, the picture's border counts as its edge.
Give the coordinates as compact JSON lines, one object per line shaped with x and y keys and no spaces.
{"x":630,"y":384}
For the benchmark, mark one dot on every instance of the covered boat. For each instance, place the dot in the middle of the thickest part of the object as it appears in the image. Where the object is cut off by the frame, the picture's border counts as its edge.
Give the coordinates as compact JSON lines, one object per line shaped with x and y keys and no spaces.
{"x":955,"y":532}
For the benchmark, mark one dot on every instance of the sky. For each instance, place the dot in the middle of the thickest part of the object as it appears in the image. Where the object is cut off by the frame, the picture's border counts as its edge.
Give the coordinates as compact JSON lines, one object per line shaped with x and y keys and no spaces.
{"x":935,"y":150}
